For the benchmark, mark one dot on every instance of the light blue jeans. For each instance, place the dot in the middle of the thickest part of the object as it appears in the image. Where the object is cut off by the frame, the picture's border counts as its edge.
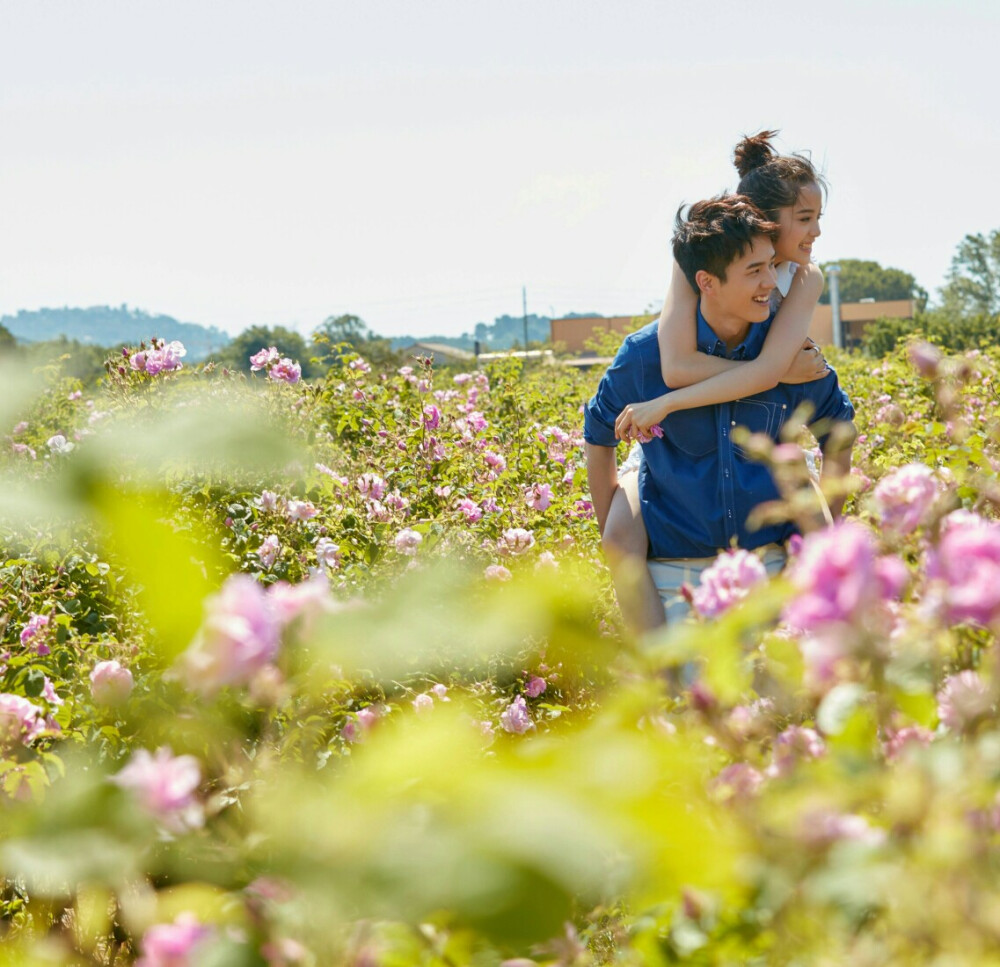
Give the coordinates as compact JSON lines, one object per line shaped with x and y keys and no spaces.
{"x":669,"y":574}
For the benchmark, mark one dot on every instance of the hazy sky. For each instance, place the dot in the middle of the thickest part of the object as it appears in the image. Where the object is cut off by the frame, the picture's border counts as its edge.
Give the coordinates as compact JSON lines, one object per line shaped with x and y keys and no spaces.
{"x":415,"y":163}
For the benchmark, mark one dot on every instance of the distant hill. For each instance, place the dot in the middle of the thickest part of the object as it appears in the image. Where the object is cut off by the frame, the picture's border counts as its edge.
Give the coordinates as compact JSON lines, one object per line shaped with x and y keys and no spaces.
{"x":504,"y":332}
{"x":108,"y":327}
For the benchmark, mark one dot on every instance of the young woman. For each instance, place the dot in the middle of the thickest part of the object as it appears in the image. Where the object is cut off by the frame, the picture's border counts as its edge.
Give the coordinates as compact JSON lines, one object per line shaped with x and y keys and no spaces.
{"x":789,"y":191}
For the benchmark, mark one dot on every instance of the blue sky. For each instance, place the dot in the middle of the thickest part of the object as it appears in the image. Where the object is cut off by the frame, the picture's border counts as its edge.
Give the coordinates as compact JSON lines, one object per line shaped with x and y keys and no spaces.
{"x":239,"y":163}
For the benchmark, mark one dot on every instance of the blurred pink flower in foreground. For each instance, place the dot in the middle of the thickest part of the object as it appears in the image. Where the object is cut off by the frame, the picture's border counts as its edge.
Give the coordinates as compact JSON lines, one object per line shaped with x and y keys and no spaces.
{"x":303,"y":602}
{"x":285,"y":952}
{"x":423,"y":703}
{"x":795,"y":743}
{"x":836,"y":575}
{"x":174,"y":944}
{"x":164,"y":785}
{"x":925,"y":357}
{"x":904,"y":497}
{"x":909,"y":736}
{"x":966,"y":563}
{"x":497,"y":572}
{"x":110,"y":683}
{"x":515,"y":717}
{"x":728,"y":581}
{"x":825,"y":826}
{"x":738,"y":781}
{"x":963,"y":699}
{"x":240,"y":634}
{"x":21,"y":722}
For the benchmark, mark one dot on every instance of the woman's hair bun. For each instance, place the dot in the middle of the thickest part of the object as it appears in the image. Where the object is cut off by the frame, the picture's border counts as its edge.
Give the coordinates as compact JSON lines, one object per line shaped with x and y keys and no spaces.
{"x":754,"y":151}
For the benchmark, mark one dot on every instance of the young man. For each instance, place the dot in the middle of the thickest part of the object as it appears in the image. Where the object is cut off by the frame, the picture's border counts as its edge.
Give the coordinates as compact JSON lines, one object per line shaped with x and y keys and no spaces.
{"x":696,"y":487}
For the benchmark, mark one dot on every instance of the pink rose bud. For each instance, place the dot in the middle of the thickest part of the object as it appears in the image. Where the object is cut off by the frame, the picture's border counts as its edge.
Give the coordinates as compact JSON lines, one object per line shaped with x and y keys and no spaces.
{"x":110,"y":683}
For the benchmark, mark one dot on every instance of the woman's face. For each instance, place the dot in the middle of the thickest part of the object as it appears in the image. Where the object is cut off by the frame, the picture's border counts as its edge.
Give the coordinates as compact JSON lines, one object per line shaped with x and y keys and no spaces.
{"x":799,"y":226}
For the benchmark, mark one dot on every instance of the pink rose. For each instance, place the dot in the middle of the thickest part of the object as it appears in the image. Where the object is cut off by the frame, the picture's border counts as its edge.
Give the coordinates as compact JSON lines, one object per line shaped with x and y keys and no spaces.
{"x":110,"y":683}
{"x":497,"y":572}
{"x":516,"y":541}
{"x":301,"y":510}
{"x":164,"y":785}
{"x":738,"y":781}
{"x":174,"y":944}
{"x":904,"y":497}
{"x":966,"y":565}
{"x":728,"y":581}
{"x":538,"y":496}
{"x":793,"y":744}
{"x":268,"y":551}
{"x":515,"y":717}
{"x":285,"y":371}
{"x":536,"y":685}
{"x":963,"y":700}
{"x":240,"y":634}
{"x":372,"y":486}
{"x":836,"y":574}
{"x":264,"y":358}
{"x":407,"y":541}
{"x":21,"y":722}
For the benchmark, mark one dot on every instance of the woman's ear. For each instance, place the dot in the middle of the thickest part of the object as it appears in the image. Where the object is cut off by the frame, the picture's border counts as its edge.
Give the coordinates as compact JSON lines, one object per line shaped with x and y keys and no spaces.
{"x":705,"y":281}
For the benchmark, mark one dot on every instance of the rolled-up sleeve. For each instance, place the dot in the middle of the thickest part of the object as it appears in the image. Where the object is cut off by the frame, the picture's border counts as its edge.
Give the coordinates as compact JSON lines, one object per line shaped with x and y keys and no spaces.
{"x":616,"y":390}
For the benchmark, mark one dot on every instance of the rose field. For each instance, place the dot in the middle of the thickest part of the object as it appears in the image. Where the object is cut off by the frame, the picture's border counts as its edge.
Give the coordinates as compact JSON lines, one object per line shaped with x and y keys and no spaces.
{"x":331,"y":672}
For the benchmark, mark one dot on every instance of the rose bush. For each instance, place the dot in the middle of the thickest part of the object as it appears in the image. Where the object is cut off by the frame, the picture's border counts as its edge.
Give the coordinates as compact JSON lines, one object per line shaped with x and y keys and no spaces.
{"x":365,"y":625}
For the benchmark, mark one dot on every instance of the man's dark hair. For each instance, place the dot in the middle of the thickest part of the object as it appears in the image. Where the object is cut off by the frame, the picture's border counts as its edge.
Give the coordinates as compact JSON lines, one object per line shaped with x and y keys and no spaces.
{"x":715,"y":233}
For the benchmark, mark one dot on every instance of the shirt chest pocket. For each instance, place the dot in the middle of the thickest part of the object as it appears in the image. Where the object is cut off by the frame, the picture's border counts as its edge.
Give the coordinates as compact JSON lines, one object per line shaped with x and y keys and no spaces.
{"x":759,"y":416}
{"x":692,"y":431}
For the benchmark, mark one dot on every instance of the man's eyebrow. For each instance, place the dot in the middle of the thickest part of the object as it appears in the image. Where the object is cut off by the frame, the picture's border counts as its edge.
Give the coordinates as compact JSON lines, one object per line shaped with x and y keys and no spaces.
{"x":754,"y":265}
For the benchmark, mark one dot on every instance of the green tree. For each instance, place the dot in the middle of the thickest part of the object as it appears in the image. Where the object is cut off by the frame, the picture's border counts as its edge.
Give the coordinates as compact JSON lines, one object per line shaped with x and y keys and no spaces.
{"x":863,"y":279}
{"x":7,"y":340}
{"x":288,"y":342}
{"x":973,"y":286}
{"x":353,"y":331}
{"x":344,"y":328}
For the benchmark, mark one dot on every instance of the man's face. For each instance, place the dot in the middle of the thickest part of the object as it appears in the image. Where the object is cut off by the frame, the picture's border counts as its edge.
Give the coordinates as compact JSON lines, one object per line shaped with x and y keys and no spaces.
{"x":746,"y":293}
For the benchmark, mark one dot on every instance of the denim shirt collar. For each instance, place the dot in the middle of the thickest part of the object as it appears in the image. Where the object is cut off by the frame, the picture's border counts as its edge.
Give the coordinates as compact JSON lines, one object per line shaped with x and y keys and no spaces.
{"x":709,"y":342}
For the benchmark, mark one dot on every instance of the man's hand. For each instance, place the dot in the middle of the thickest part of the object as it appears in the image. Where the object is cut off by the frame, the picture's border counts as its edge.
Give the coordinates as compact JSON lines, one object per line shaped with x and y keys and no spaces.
{"x":807,"y":366}
{"x":637,"y":420}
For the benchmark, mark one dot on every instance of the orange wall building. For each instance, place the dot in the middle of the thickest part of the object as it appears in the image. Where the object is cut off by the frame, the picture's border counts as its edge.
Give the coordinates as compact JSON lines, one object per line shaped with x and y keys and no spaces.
{"x":855,"y":316}
{"x":573,"y":333}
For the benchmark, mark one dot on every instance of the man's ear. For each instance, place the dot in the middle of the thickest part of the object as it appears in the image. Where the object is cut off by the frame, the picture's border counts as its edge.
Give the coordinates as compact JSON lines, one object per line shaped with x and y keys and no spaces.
{"x":705,"y":281}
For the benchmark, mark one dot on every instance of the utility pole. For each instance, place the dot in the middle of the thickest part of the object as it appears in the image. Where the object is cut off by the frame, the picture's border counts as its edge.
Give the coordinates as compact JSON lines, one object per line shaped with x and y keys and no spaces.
{"x":524,"y":310}
{"x":833,"y":275}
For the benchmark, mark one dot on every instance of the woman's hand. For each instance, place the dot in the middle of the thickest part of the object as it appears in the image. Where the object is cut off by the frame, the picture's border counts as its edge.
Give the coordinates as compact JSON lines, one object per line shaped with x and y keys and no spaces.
{"x":640,"y":421}
{"x":807,"y":366}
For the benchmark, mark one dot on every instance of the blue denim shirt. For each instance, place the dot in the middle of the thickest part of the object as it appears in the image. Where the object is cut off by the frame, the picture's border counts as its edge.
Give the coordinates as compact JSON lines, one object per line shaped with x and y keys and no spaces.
{"x":696,"y":487}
